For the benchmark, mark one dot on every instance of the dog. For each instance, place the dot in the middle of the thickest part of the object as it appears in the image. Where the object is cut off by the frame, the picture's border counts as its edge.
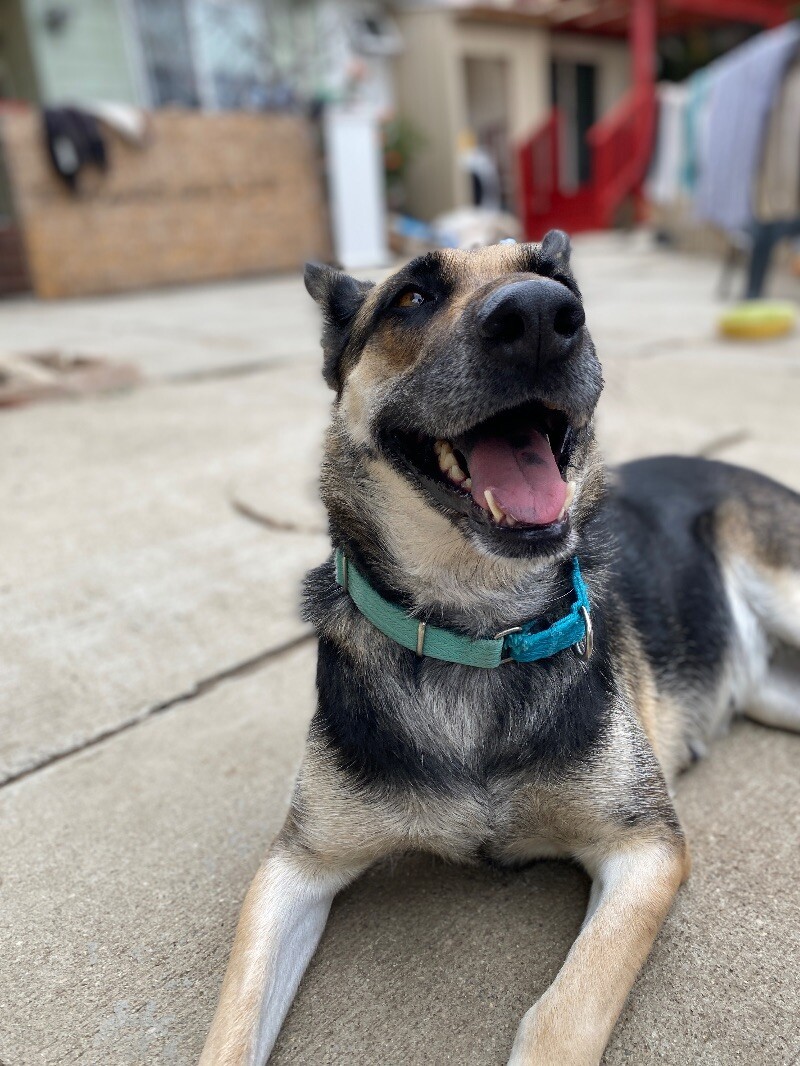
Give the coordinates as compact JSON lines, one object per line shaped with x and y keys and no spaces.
{"x":518,"y":649}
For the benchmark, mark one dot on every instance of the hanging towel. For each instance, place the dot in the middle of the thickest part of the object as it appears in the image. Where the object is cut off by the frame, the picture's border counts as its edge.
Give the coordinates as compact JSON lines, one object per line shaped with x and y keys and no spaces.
{"x":695,"y":125}
{"x":745,"y":86}
{"x":128,"y":121}
{"x":664,"y":179}
{"x":73,"y":141}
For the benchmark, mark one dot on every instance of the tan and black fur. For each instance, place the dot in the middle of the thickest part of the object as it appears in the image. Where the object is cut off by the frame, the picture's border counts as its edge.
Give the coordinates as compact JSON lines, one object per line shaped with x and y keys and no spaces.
{"x":693,"y":570}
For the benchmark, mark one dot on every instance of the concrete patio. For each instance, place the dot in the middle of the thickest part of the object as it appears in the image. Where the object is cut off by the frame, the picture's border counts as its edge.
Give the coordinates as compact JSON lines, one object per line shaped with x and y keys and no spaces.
{"x":157,"y":682}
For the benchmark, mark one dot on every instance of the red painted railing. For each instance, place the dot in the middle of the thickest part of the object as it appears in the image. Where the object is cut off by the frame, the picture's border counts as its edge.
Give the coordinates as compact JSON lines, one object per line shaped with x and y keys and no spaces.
{"x":539,"y":166}
{"x":620,"y":145}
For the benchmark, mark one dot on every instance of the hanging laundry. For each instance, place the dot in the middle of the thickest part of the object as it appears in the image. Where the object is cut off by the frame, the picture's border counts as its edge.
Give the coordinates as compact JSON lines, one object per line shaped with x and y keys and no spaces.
{"x":666,"y":173}
{"x":695,"y":125}
{"x":778,"y":189}
{"x":746,"y":83}
{"x":74,"y":141}
{"x":124,"y":119}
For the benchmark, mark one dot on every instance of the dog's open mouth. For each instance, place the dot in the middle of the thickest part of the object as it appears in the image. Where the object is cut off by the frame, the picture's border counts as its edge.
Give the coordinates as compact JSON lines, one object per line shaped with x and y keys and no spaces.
{"x":507,"y":472}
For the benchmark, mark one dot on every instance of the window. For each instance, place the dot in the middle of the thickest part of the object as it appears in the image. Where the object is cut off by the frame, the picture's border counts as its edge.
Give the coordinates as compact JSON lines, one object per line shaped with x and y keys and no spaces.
{"x":166,"y":47}
{"x":229,"y":42}
{"x":204,"y":53}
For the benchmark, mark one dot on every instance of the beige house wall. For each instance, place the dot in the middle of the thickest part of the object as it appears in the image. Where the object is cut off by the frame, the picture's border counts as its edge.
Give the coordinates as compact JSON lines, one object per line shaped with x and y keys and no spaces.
{"x":525,"y":50}
{"x":427,"y":92}
{"x":431,"y":89}
{"x":612,"y":59}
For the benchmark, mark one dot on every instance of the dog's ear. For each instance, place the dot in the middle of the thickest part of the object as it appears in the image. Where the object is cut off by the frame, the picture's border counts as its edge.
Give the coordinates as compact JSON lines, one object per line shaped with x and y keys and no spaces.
{"x":340,"y":297}
{"x":557,"y":249}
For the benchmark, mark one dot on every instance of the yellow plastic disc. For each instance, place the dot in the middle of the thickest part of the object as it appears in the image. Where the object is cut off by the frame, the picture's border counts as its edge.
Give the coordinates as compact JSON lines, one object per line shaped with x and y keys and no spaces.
{"x":759,"y":319}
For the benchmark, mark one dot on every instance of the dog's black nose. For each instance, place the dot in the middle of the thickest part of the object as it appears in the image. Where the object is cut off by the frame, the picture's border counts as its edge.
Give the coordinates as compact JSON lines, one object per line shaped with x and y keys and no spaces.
{"x":536,"y":317}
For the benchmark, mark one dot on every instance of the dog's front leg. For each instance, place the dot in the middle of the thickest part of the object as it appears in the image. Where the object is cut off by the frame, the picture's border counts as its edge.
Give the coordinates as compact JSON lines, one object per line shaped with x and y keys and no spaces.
{"x":633,"y":888}
{"x":282,"y":920}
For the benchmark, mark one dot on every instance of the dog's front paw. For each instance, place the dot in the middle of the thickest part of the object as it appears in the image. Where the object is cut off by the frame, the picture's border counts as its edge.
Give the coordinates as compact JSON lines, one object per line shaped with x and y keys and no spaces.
{"x":549,"y":1036}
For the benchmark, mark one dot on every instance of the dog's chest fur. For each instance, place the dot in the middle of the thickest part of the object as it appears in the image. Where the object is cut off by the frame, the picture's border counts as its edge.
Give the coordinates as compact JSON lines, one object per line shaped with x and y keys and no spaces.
{"x":498,"y":764}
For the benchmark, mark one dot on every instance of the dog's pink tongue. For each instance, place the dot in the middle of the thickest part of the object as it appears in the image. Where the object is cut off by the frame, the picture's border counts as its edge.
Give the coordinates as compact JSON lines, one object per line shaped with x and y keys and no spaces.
{"x":524,"y":481}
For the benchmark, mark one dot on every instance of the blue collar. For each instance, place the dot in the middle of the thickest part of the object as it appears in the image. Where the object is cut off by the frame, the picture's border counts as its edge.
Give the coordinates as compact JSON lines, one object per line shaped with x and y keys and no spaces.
{"x":521,"y":644}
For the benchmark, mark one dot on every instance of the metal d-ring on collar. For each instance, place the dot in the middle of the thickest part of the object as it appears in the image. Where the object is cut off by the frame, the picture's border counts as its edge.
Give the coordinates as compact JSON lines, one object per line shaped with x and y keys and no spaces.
{"x":583,"y":649}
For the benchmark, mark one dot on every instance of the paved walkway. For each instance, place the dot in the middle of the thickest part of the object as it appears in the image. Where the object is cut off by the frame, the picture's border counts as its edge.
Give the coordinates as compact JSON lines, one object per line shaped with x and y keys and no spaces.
{"x":157,"y":682}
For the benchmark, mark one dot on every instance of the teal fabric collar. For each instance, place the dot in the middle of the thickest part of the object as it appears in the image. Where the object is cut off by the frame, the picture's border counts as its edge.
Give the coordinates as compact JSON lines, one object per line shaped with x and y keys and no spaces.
{"x":521,"y":644}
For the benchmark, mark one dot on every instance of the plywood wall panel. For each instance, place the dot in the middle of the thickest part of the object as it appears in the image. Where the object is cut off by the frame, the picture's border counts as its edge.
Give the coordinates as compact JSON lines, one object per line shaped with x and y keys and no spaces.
{"x":209,"y":196}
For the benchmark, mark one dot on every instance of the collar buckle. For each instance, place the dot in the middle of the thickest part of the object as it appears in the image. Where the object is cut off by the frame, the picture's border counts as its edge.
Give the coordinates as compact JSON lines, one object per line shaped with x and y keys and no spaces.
{"x":501,"y":636}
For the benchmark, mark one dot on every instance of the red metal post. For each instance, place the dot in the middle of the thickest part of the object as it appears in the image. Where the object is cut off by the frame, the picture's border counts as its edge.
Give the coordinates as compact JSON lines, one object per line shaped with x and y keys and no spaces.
{"x":643,"y":41}
{"x":525,"y":188}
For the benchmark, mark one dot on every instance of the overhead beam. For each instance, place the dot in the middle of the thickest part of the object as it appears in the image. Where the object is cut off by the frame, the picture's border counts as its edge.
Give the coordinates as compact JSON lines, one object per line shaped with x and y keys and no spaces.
{"x":758,"y":12}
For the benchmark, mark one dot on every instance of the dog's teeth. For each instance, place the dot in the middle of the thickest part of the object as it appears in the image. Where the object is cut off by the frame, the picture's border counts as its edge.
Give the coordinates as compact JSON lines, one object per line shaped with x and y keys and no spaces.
{"x":570,"y":496}
{"x":497,"y":512}
{"x":446,"y":456}
{"x":448,"y":463}
{"x":511,"y":521}
{"x":468,"y":483}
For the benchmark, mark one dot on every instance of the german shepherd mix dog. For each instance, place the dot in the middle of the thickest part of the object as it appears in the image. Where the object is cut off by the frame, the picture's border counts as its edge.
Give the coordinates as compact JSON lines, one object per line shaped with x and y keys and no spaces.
{"x":517,"y":651}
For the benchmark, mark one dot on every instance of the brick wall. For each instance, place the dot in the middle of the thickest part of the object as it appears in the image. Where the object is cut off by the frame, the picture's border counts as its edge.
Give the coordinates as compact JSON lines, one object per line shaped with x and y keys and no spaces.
{"x":209,"y":196}
{"x":14,"y":277}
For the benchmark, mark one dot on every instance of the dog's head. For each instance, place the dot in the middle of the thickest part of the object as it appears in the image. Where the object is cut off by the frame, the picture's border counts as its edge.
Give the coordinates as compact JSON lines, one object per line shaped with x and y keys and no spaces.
{"x":472,"y":375}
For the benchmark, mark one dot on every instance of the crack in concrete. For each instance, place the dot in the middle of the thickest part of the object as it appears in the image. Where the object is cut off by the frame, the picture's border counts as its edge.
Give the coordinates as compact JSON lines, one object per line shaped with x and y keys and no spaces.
{"x":234,"y":370}
{"x":261,"y":519}
{"x":200,"y":688}
{"x":721,"y":444}
{"x":660,"y":345}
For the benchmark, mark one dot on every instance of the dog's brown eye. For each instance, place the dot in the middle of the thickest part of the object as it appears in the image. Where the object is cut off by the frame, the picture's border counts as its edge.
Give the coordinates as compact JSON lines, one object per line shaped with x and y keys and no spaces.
{"x":411,"y":298}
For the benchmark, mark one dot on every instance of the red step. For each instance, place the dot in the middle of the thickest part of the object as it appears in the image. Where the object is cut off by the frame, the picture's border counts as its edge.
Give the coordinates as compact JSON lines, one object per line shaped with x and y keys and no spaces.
{"x":619,"y":144}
